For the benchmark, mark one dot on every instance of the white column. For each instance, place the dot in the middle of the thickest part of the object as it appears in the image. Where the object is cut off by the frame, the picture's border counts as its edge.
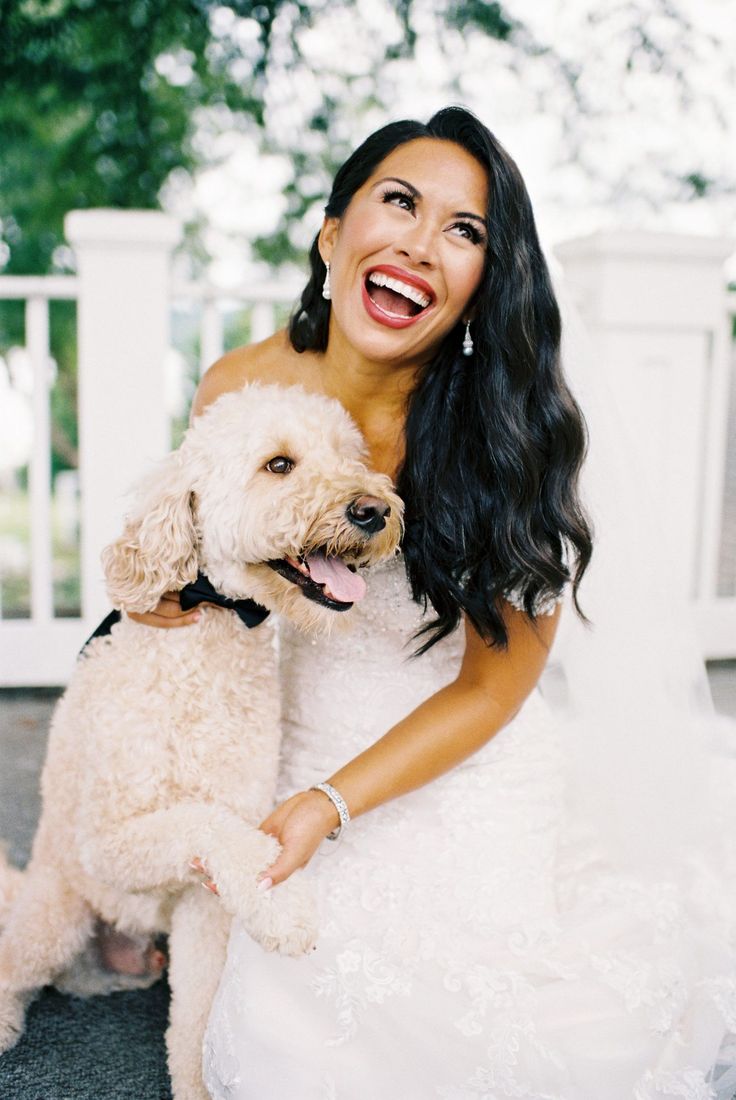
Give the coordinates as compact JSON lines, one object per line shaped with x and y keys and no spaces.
{"x":123,"y":260}
{"x":39,"y":481}
{"x":262,"y":321}
{"x":654,"y":307}
{"x":211,"y":335}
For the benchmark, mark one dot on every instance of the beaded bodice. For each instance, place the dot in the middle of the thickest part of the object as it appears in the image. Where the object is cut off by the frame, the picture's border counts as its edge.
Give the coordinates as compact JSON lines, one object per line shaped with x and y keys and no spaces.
{"x":342,"y":692}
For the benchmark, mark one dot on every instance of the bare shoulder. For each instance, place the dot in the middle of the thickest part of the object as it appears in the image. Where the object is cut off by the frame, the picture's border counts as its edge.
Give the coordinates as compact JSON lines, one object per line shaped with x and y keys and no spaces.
{"x":270,"y":360}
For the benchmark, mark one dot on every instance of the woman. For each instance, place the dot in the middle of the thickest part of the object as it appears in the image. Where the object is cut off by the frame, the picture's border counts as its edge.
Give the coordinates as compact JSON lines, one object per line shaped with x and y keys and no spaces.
{"x":457,"y":956}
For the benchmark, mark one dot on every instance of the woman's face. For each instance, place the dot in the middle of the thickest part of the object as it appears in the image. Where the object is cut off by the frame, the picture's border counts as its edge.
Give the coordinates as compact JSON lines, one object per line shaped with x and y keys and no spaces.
{"x":407,"y":255}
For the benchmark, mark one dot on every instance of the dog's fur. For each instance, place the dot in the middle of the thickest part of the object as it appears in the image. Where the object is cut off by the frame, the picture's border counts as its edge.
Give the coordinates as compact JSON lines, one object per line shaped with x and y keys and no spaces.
{"x":165,"y":744}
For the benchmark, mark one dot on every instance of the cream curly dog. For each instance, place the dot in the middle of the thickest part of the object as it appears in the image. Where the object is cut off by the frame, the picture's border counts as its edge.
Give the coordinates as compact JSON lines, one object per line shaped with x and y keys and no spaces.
{"x":165,"y":745}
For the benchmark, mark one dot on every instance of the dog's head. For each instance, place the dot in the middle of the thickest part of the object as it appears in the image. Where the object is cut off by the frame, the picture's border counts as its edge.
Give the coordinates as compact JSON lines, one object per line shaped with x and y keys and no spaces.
{"x":270,"y":497}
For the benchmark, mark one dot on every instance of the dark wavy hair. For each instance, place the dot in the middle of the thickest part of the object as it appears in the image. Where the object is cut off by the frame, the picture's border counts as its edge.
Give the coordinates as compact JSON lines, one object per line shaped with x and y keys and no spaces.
{"x":495,"y":441}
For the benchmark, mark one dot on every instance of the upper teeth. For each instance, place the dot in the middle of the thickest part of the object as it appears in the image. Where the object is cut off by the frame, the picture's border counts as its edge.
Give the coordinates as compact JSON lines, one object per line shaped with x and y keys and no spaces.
{"x":411,"y":292}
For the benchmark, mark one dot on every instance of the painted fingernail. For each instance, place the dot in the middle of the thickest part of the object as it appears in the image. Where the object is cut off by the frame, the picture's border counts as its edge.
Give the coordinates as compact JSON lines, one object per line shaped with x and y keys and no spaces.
{"x":264,"y":885}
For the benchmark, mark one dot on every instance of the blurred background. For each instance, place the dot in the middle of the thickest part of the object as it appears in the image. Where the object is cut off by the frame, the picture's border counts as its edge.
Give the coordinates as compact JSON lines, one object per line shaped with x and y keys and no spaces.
{"x":232,"y":117}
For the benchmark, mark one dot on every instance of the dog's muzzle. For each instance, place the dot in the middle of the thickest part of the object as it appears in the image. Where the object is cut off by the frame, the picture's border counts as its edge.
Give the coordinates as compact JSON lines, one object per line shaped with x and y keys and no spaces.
{"x":368,"y":514}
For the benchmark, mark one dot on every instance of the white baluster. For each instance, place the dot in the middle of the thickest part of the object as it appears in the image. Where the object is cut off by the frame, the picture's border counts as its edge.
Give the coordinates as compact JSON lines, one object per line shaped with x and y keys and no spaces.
{"x":715,"y":444}
{"x":211,"y":334}
{"x":262,"y":321}
{"x":37,"y":343}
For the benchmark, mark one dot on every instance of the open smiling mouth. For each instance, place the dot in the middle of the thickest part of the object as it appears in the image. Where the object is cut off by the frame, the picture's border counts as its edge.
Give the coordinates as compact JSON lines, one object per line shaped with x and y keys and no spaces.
{"x":327,"y":580}
{"x":393,"y":300}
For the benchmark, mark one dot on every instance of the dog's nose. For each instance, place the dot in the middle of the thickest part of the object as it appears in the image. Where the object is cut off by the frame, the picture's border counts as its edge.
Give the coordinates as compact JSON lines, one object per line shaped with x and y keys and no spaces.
{"x":368,"y":513}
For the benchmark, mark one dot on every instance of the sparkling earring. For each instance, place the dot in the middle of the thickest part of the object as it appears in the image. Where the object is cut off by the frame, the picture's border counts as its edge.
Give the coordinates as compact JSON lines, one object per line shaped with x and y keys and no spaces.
{"x":468,"y":345}
{"x":326,"y":289}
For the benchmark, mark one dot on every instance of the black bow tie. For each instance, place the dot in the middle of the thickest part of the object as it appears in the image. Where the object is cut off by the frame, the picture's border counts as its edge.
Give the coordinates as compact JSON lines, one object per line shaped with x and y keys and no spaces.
{"x":250,"y":612}
{"x":201,"y":591}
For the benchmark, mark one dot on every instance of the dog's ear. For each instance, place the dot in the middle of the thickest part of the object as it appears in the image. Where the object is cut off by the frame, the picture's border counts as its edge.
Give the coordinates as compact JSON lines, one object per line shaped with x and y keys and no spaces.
{"x":157,"y":551}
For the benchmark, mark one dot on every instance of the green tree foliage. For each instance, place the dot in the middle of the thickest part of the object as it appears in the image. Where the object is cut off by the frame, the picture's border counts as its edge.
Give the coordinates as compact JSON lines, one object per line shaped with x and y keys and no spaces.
{"x":99,"y":105}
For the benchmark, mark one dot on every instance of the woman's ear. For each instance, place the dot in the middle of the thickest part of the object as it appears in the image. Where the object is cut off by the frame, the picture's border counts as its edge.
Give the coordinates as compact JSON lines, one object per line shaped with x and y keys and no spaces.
{"x":471,"y":310}
{"x":328,"y":238}
{"x":157,"y":551}
{"x":470,"y":313}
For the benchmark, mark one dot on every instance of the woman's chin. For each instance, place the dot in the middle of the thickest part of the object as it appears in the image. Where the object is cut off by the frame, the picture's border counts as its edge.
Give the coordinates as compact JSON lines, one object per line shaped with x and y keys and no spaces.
{"x":391,"y":346}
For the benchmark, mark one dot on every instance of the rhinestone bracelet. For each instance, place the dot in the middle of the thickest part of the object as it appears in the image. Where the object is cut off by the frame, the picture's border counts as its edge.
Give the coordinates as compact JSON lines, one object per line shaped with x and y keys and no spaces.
{"x":338,"y":802}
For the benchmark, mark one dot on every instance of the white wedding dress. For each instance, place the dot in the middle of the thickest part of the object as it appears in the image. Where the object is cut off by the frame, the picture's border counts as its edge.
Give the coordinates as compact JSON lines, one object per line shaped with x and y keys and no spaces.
{"x":473,"y":945}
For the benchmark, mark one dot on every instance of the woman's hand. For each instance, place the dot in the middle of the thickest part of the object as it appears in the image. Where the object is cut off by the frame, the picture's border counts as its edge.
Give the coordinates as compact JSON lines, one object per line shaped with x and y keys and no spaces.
{"x":300,"y":825}
{"x":166,"y":613}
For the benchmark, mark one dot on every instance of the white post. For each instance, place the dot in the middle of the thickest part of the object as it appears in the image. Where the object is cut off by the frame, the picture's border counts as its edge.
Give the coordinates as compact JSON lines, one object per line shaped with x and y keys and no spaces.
{"x":39,"y":482}
{"x":123,"y":260}
{"x":262,"y":321}
{"x":654,"y":308}
{"x":211,"y":335}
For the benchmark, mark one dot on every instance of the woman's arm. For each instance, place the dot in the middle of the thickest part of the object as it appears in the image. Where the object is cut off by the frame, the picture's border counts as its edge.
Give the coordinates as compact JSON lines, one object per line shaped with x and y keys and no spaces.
{"x":443,"y":731}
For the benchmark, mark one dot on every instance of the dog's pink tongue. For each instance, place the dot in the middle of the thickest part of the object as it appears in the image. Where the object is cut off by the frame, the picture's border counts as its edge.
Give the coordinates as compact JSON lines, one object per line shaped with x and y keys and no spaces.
{"x":342,"y":583}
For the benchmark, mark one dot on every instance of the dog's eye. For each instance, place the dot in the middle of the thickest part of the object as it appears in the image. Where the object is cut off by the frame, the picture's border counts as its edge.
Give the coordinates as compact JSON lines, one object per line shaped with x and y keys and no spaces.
{"x":280,"y":465}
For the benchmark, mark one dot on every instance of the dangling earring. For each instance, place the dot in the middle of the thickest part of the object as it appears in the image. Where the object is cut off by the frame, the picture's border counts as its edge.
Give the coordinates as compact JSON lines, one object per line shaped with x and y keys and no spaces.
{"x":326,"y":288}
{"x":468,"y":345}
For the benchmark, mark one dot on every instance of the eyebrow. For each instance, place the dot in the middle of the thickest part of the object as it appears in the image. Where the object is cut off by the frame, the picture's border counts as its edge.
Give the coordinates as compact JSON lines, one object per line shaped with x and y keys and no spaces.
{"x":418,"y":194}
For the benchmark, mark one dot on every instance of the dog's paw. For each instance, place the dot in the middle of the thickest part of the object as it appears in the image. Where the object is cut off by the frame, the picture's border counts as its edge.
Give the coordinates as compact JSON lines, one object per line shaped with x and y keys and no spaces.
{"x":286,"y":918}
{"x":234,"y":866}
{"x":12,"y":1017}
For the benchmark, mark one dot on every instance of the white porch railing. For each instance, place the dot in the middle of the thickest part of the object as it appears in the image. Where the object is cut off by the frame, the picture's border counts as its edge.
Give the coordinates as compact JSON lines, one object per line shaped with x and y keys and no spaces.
{"x":262,"y":300}
{"x":43,"y":640}
{"x":654,"y":305}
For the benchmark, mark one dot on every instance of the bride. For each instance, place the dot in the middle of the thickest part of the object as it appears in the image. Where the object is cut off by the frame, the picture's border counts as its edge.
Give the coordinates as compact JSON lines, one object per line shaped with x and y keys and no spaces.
{"x":519,"y":903}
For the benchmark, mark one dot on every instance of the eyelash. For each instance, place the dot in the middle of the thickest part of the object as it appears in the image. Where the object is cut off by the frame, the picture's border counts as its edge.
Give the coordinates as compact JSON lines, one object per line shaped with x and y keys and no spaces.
{"x":395,"y":193}
{"x":473,"y":233}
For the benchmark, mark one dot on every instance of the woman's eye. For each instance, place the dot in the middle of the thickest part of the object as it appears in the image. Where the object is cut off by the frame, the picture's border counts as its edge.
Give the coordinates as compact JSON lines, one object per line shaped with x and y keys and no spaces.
{"x":402,"y":199}
{"x":469,"y":231}
{"x":280,"y":465}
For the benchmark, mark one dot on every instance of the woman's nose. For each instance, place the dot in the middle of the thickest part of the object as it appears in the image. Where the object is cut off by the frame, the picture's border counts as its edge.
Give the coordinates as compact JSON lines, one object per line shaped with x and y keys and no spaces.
{"x":418,"y":244}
